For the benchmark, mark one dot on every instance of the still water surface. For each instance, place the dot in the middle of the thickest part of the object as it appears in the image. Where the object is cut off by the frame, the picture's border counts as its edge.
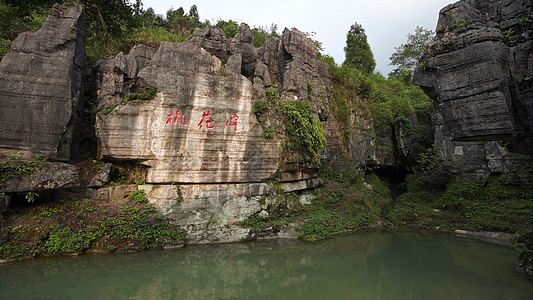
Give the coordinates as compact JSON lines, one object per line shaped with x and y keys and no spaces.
{"x":373,"y":265}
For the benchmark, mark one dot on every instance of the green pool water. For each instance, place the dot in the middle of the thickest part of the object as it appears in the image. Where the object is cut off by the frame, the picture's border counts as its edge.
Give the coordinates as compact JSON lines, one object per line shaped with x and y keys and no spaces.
{"x":370,"y":265}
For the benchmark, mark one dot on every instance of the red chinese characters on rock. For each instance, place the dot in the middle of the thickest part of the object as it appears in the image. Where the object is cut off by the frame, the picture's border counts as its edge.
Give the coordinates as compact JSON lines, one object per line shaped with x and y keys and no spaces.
{"x":232,"y":122}
{"x":209,"y":124}
{"x":178,"y":117}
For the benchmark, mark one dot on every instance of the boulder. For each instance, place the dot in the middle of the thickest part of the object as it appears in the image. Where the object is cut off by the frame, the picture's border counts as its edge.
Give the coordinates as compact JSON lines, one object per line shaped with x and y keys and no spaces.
{"x":41,"y":82}
{"x":241,"y":43}
{"x":102,"y":177}
{"x":212,"y":40}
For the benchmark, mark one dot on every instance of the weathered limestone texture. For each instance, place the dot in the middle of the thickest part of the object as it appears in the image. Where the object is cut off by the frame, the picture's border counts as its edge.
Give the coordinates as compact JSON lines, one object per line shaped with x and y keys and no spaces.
{"x":208,"y":160}
{"x":200,"y":128}
{"x":52,"y":176}
{"x":41,"y":80}
{"x":119,"y":74}
{"x":478,"y":72}
{"x":211,"y":212}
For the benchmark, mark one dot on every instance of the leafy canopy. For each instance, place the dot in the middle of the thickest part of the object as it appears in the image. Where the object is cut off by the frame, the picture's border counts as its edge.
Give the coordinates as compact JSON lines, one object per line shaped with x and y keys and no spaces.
{"x":357,"y":50}
{"x":406,"y":57}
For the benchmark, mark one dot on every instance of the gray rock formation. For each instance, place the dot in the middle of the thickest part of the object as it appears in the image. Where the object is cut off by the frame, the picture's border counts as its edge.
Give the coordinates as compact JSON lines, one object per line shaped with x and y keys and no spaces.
{"x":51,"y":176}
{"x":200,"y":128}
{"x":477,"y":72}
{"x":119,"y":74}
{"x":41,"y":82}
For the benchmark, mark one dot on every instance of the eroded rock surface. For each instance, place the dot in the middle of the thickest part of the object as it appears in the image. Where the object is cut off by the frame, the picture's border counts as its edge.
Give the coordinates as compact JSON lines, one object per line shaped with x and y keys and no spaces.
{"x":50,"y":176}
{"x":477,"y":72}
{"x":200,"y":131}
{"x":41,"y":81}
{"x":200,"y":127}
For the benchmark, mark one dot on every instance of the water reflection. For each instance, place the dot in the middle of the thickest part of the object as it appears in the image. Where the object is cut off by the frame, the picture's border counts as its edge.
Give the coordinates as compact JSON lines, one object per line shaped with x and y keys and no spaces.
{"x":363,"y":266}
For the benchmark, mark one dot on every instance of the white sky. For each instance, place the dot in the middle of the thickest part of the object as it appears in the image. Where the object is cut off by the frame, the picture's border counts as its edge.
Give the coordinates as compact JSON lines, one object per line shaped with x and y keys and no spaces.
{"x":387,"y":22}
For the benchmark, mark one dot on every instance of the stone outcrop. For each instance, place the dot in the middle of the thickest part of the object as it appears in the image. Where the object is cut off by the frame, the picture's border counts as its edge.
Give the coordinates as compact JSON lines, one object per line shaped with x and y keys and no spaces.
{"x":200,"y":132}
{"x":41,"y":83}
{"x":50,"y":176}
{"x":478,"y":72}
{"x":200,"y":127}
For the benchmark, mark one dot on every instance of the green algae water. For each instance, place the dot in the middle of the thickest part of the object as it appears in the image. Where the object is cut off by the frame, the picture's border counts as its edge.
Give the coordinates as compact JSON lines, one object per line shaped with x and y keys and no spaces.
{"x":371,"y":265}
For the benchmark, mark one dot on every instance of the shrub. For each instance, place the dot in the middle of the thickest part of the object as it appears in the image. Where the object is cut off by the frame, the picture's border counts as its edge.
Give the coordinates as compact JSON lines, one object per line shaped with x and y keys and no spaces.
{"x":260,"y":106}
{"x":149,"y":94}
{"x":304,"y":133}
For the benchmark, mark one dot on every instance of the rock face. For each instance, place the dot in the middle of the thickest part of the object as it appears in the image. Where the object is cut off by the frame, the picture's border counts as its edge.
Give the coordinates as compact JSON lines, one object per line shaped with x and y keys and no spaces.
{"x":478,"y":72}
{"x":200,"y":132}
{"x":200,"y":127}
{"x":51,"y":176}
{"x":41,"y":81}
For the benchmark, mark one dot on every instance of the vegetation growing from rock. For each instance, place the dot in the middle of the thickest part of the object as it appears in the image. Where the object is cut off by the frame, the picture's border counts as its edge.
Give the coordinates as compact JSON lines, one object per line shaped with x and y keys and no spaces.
{"x":304,"y":134}
{"x":78,"y":226}
{"x":342,"y":205}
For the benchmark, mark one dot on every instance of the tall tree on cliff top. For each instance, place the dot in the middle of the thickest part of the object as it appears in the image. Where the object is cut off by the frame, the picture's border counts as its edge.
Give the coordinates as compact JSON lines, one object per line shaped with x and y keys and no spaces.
{"x":357,"y":50}
{"x":407,"y":55}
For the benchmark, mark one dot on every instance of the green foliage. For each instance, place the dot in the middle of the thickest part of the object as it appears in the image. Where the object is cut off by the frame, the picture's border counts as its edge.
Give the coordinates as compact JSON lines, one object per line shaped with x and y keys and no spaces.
{"x":260,"y":33}
{"x":138,"y":197}
{"x":357,"y":50}
{"x":5,"y":46}
{"x":495,"y":205}
{"x":260,"y":106}
{"x":9,"y":170}
{"x":112,"y":248}
{"x":41,"y":157}
{"x":76,"y":226}
{"x":183,"y":24}
{"x":407,"y":55}
{"x":459,"y":24}
{"x":268,"y":133}
{"x":143,"y":226}
{"x":129,"y":173}
{"x":153,"y":36}
{"x":231,"y":28}
{"x":273,"y":96}
{"x":304,"y":134}
{"x":65,"y":240}
{"x":179,"y":195}
{"x":148,"y":94}
{"x":525,"y":78}
{"x":30,"y":197}
{"x":107,"y":110}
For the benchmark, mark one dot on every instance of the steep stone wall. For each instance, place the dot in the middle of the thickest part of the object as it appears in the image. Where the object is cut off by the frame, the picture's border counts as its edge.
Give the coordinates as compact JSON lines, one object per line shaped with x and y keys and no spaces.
{"x":41,"y":81}
{"x":200,"y":132}
{"x":478,"y":72}
{"x":200,"y":127}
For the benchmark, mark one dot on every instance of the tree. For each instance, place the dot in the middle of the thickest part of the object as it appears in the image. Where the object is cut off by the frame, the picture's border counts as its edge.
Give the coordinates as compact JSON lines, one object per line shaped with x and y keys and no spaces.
{"x":357,"y":50}
{"x":407,"y":55}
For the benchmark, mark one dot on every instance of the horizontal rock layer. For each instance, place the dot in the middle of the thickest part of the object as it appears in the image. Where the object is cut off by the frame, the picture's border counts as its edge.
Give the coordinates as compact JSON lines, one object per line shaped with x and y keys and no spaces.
{"x":478,"y":72}
{"x":199,"y":128}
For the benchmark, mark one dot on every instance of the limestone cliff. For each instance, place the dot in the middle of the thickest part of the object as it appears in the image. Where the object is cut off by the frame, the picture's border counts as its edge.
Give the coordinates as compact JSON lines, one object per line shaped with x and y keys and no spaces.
{"x":41,"y":86}
{"x":41,"y":82}
{"x":183,"y":112}
{"x":478,"y":71}
{"x":199,"y":137}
